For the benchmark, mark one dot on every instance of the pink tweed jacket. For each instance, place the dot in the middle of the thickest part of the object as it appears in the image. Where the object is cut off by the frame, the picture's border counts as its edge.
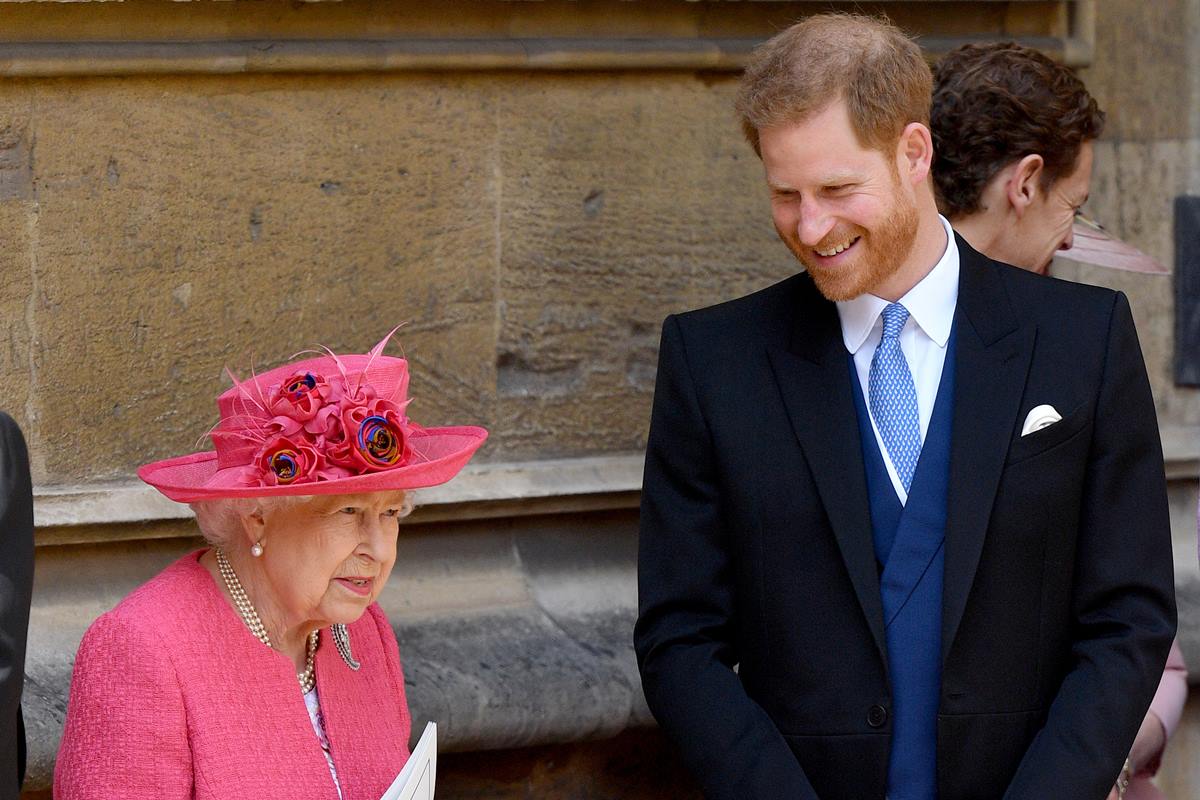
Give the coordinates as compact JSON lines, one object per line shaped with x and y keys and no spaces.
{"x":172,"y":697}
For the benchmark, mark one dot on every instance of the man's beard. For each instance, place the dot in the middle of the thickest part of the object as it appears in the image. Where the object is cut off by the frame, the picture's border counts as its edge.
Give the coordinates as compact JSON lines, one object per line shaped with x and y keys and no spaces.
{"x":881,"y":253}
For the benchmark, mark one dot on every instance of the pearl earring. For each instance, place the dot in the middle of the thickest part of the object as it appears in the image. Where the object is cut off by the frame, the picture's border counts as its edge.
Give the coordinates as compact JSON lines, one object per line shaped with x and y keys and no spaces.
{"x":256,"y":549}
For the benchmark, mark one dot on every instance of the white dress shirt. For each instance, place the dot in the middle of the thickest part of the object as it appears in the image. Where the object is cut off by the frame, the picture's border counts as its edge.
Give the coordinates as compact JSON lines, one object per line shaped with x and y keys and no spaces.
{"x":923,"y":338}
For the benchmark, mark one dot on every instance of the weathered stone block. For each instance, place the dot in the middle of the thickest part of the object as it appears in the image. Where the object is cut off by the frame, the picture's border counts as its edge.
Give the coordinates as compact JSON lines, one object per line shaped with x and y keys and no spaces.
{"x":185,"y":225}
{"x":19,"y":355}
{"x":624,"y":200}
{"x":19,"y":297}
{"x":1144,"y":56}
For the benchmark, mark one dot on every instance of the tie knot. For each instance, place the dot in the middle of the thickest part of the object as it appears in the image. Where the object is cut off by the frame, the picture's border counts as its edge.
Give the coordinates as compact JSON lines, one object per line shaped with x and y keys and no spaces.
{"x":894,"y":317}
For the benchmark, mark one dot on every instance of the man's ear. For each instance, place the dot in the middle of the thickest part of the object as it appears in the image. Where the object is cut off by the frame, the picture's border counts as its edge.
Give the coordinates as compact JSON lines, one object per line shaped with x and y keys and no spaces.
{"x":914,"y":153}
{"x":1024,"y":185}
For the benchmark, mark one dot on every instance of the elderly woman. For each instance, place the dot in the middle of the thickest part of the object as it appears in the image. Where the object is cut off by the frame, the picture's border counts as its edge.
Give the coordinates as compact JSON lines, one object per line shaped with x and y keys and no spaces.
{"x":261,"y":666}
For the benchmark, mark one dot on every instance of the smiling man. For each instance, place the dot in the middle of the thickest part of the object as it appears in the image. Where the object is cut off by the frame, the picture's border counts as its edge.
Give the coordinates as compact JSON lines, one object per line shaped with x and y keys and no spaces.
{"x":904,"y":527}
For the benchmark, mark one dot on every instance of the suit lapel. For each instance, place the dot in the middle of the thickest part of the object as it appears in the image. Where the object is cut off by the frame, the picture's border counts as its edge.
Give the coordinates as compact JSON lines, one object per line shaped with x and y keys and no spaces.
{"x":994,"y":352}
{"x":813,"y":377}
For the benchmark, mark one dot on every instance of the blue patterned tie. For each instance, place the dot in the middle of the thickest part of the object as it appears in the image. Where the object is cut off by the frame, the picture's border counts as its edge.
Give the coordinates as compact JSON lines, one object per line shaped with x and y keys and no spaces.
{"x":893,"y":397}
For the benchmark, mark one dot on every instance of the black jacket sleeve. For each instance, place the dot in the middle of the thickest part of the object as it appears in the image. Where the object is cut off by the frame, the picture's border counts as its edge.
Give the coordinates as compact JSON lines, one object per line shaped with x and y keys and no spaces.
{"x":684,"y":636}
{"x":16,"y":582}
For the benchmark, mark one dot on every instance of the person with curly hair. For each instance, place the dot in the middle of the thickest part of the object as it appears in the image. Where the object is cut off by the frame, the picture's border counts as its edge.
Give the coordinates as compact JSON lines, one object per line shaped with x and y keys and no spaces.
{"x":1013,"y":135}
{"x":1013,"y":132}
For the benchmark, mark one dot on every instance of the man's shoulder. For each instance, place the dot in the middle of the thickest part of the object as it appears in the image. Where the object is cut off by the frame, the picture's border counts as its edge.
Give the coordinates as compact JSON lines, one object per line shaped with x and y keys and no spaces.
{"x":1052,"y":303}
{"x":1057,"y":302}
{"x":751,"y":316}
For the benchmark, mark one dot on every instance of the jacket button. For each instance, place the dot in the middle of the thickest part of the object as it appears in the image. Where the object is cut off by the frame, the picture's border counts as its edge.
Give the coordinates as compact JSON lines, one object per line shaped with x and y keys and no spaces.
{"x":876,"y":716}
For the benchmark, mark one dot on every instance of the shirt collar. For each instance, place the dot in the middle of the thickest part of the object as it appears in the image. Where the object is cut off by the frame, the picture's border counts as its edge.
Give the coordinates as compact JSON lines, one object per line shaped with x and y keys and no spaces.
{"x":930,"y":303}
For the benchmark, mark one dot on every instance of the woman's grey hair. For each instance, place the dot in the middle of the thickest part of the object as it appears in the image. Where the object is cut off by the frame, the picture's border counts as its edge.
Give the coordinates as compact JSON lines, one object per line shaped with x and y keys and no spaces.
{"x":220,"y":521}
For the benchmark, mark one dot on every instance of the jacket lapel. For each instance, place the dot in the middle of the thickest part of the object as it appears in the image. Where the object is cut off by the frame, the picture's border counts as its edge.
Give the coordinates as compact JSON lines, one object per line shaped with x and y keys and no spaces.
{"x":813,"y":376}
{"x":366,"y":713}
{"x":994,"y":352}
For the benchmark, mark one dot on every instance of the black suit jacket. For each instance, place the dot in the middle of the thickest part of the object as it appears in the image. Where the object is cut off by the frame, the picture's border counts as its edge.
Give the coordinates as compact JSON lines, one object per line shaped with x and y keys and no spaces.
{"x":760,"y":629}
{"x":16,"y":582}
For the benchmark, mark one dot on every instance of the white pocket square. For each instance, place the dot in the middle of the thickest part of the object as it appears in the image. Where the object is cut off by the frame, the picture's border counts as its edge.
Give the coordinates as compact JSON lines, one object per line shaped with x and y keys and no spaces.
{"x":1040,"y":417}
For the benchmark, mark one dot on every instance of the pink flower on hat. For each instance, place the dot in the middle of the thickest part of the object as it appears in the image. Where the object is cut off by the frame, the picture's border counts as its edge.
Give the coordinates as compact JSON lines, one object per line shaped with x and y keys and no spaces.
{"x":283,"y":460}
{"x":375,"y":437}
{"x":326,"y":424}
{"x":300,"y":397}
{"x":329,"y":429}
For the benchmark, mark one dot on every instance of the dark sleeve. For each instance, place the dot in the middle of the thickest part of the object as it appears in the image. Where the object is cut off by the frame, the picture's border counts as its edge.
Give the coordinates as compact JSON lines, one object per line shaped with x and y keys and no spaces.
{"x":1124,"y":590}
{"x":16,"y":583}
{"x":684,"y":636}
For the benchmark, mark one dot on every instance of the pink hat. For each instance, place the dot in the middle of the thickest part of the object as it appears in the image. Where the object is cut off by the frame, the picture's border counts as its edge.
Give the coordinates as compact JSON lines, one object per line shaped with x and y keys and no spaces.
{"x":326,"y":425}
{"x":1095,"y":246}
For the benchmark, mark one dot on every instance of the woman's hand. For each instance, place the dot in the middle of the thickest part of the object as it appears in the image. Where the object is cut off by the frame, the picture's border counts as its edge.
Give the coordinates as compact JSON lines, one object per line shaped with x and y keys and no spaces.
{"x":1148,"y":744}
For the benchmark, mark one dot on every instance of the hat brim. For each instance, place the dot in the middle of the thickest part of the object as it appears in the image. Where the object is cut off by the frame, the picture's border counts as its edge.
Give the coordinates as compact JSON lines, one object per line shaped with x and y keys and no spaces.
{"x":1096,"y":247}
{"x":439,"y":454}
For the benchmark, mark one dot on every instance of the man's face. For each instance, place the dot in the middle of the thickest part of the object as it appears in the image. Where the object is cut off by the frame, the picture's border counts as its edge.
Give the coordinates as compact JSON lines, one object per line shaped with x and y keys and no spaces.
{"x":840,"y":208}
{"x":1046,"y":226}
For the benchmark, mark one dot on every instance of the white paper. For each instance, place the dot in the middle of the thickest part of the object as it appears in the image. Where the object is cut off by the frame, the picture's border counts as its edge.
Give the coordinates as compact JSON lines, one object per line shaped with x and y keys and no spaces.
{"x":415,"y":781}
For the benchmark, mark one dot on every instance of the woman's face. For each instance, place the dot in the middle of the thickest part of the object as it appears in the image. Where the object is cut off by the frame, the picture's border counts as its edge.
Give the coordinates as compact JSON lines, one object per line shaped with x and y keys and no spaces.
{"x":327,"y":559}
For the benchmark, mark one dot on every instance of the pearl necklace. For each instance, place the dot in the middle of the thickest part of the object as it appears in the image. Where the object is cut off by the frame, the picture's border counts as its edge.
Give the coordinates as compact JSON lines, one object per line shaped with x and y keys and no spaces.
{"x":245,"y":608}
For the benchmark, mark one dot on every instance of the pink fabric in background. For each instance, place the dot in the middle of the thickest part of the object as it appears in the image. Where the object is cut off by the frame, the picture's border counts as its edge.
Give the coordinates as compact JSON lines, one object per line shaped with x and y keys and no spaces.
{"x":1168,"y":706}
{"x":173,"y":697}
